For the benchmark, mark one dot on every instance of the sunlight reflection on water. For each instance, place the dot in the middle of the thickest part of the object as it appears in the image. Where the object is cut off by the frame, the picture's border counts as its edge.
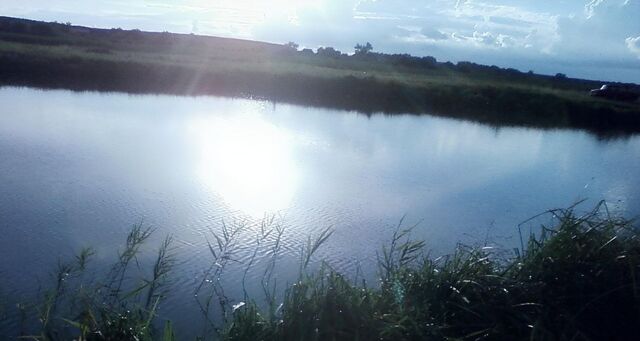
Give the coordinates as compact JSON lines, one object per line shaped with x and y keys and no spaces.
{"x":247,"y":160}
{"x":77,"y":169}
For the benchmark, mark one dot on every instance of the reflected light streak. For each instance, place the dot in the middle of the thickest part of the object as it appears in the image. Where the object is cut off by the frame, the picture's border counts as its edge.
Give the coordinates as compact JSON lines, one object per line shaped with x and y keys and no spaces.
{"x":247,"y":161}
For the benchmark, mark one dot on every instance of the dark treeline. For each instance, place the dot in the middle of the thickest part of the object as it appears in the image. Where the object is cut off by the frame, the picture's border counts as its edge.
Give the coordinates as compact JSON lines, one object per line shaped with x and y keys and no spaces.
{"x":501,"y":97}
{"x":559,"y":80}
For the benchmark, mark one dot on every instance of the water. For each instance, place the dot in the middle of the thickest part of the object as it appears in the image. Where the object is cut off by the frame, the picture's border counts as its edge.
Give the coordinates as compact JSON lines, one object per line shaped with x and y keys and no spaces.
{"x":78,"y":169}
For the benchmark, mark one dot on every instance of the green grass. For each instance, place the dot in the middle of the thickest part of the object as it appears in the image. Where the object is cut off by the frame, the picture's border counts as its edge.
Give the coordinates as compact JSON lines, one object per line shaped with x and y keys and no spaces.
{"x":576,"y":279}
{"x":213,"y":61}
{"x":80,"y":305}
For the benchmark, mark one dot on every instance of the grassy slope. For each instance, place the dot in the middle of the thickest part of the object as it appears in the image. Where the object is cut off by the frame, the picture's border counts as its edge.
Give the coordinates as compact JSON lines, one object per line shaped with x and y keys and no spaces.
{"x":115,"y":60}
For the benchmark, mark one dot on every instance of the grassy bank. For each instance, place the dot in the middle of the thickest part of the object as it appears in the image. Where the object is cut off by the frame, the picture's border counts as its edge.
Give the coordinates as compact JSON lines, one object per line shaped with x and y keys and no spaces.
{"x":78,"y":58}
{"x":575,"y":280}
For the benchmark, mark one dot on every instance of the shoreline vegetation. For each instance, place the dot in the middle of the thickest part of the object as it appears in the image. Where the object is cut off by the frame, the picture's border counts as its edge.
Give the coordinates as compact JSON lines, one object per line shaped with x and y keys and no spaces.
{"x":574,"y":280}
{"x":64,"y":56}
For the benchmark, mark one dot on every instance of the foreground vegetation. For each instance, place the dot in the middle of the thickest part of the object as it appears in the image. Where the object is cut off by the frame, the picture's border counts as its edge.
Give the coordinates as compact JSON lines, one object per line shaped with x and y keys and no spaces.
{"x":53,"y":55}
{"x":576,"y":280}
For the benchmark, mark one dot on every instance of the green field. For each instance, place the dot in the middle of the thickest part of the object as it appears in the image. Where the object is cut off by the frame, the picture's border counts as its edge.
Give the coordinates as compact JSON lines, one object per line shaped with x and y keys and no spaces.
{"x":52,"y":55}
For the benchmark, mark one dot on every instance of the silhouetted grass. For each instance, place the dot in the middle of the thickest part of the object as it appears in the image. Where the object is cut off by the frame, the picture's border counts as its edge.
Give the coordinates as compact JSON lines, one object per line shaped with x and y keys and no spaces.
{"x":575,"y":279}
{"x":82,"y":306}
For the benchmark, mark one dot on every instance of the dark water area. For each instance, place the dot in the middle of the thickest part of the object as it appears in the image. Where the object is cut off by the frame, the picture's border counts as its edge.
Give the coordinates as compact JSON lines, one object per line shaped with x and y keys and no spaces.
{"x":78,"y":169}
{"x":501,"y":102}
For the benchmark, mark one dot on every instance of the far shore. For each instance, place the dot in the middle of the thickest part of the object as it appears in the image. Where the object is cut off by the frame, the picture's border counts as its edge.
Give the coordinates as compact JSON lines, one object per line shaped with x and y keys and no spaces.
{"x":59,"y":56}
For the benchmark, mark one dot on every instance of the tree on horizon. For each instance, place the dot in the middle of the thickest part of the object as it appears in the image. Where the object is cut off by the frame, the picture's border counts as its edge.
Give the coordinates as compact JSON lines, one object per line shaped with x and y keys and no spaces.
{"x":363,"y":49}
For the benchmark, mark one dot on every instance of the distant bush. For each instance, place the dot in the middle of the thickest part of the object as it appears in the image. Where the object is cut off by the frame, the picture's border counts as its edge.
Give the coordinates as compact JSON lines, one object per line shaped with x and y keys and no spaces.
{"x":328,"y":52}
{"x":306,"y":52}
{"x":291,"y":46}
{"x":362,"y":49}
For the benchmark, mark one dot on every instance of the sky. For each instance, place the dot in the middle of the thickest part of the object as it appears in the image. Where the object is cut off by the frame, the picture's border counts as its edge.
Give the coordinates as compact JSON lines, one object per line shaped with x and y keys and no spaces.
{"x":596,"y":39}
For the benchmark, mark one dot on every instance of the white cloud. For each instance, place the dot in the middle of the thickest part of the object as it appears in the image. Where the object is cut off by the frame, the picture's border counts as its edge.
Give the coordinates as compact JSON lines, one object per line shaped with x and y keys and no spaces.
{"x":633,"y":44}
{"x":485,"y":38}
{"x":517,"y":33}
{"x":433,"y":33}
{"x":590,"y":8}
{"x":601,"y":32}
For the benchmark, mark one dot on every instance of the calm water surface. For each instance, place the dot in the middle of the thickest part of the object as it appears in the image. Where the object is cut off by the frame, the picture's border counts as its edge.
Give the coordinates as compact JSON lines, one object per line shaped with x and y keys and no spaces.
{"x":78,"y":169}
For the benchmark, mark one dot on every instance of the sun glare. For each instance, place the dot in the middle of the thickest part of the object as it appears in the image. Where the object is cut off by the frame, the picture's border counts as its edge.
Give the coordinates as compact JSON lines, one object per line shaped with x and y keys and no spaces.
{"x":259,"y":11}
{"x":247,"y":161}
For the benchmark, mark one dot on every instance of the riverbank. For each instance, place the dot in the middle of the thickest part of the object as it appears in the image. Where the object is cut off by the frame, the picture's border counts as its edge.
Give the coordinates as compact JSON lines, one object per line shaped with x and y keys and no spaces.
{"x":63,"y":56}
{"x":574,"y":280}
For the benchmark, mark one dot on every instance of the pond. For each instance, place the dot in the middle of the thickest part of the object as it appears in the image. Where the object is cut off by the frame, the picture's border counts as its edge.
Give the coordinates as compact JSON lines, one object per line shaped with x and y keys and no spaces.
{"x":79,"y":169}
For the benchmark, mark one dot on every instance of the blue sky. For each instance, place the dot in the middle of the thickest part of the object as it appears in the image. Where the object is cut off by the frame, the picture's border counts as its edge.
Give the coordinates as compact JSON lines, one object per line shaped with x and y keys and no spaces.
{"x":582,"y":38}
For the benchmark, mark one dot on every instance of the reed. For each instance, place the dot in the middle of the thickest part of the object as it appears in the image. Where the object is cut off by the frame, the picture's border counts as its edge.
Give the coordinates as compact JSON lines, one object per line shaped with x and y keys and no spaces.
{"x":574,"y":277}
{"x":84,"y":306}
{"x":574,"y":280}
